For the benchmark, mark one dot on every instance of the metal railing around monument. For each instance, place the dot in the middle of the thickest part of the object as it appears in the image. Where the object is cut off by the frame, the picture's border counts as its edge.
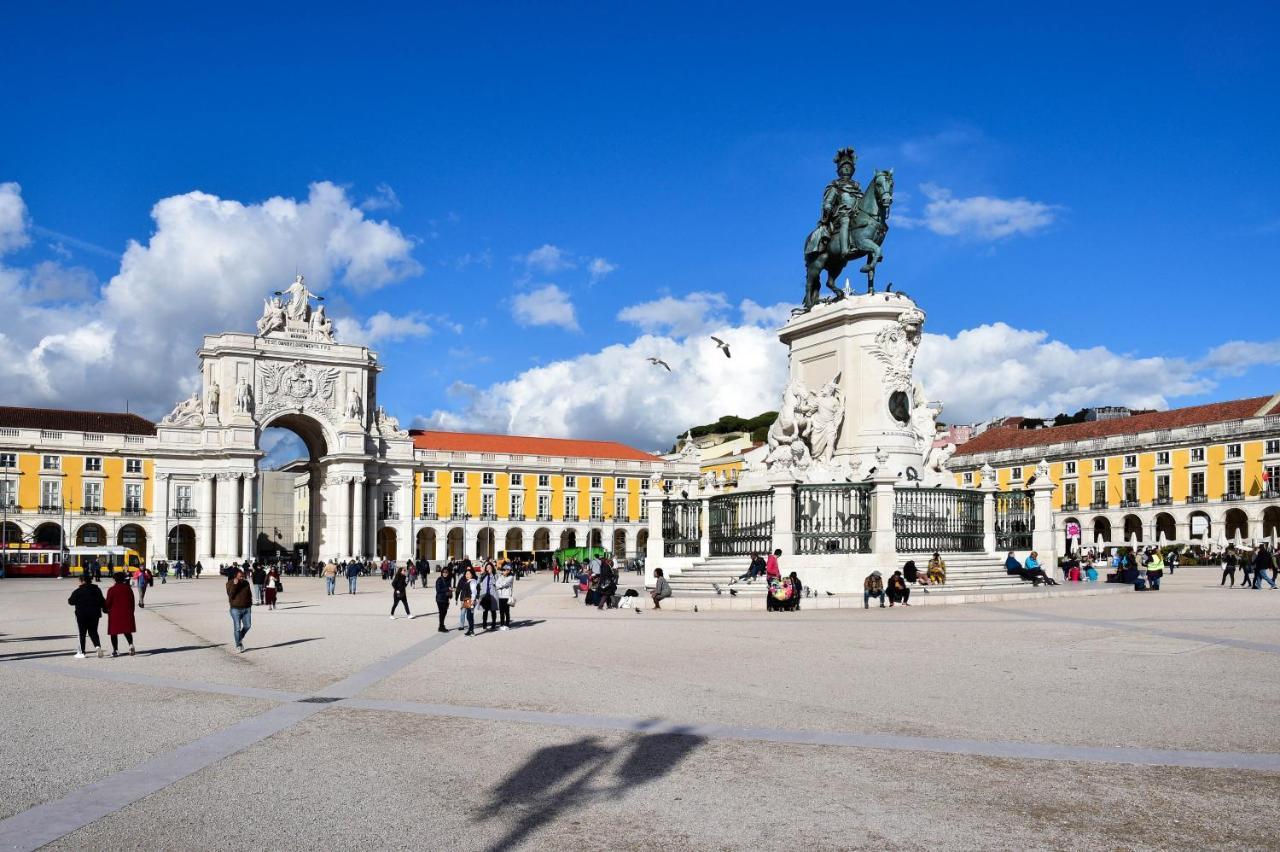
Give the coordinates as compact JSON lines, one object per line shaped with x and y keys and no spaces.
{"x":681,"y":527}
{"x":1015,"y":520}
{"x":947,"y":520}
{"x":833,"y":518}
{"x":741,"y":524}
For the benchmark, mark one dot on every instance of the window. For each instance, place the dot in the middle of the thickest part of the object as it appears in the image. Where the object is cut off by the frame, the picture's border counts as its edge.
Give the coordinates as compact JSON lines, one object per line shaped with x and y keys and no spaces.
{"x":459,"y":477}
{"x":1069,"y":468}
{"x":1130,"y":462}
{"x":644,"y":510}
{"x":544,"y":480}
{"x":1131,"y":491}
{"x":1162,"y":490}
{"x":597,"y":507}
{"x":1271,"y":479}
{"x":1272,"y":448}
{"x":51,"y":463}
{"x":544,"y":506}
{"x":1100,"y":492}
{"x":133,"y":497}
{"x":571,"y":505}
{"x":1016,"y":474}
{"x":93,"y":464}
{"x":1069,"y":494}
{"x":1234,"y":451}
{"x":182,"y":499}
{"x":428,"y":504}
{"x":1099,"y":464}
{"x":92,"y":495}
{"x":8,"y":493}
{"x":459,"y":504}
{"x":968,"y":477}
{"x":487,"y":509}
{"x":1197,"y":454}
{"x":620,"y":483}
{"x":571,"y":482}
{"x":1197,"y":484}
{"x":133,"y":465}
{"x":389,"y":504}
{"x":486,"y":478}
{"x":50,"y":494}
{"x":517,"y":504}
{"x":620,"y":508}
{"x":1235,"y":480}
{"x":90,"y":535}
{"x":597,"y":482}
{"x":1162,"y":457}
{"x":517,"y":479}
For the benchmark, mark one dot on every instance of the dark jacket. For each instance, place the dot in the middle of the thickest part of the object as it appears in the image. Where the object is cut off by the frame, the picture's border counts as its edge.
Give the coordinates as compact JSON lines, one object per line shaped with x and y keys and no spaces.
{"x":399,"y":582}
{"x":259,"y":577}
{"x":88,"y":601}
{"x":239,"y":594}
{"x":910,"y":572}
{"x":444,"y":587}
{"x":119,"y":609}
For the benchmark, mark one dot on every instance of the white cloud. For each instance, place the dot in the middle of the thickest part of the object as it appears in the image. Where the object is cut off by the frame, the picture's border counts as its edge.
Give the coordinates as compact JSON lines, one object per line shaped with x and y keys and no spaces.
{"x":600,"y":268}
{"x":1236,"y":357}
{"x":979,"y":216}
{"x":548,"y":305}
{"x":13,"y":218}
{"x":769,"y":316}
{"x":683,"y":316}
{"x":548,"y":259}
{"x":52,"y":282}
{"x":382,"y":327}
{"x":383,"y":198}
{"x":205,"y":268}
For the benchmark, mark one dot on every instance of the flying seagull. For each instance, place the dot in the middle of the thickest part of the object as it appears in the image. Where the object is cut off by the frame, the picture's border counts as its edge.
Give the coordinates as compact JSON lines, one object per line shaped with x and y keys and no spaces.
{"x":658,"y":362}
{"x":723,"y":346}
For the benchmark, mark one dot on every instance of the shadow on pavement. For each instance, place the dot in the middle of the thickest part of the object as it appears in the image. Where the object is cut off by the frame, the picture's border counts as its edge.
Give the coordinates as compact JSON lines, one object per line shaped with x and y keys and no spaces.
{"x":153,"y":651}
{"x":563,"y":779}
{"x":249,"y":648}
{"x":36,"y":638}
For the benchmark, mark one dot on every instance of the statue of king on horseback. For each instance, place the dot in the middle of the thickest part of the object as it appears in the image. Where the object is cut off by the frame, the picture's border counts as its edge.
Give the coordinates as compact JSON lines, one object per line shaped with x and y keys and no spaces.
{"x":853,"y":225}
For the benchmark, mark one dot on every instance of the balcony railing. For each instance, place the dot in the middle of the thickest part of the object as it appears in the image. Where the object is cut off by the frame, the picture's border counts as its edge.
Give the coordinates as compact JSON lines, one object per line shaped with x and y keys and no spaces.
{"x":488,"y":516}
{"x":386,"y":515}
{"x":1198,"y":498}
{"x":1098,"y":504}
{"x":544,"y":517}
{"x":1166,"y":500}
{"x":50,"y":510}
{"x":1232,"y":496}
{"x":1271,"y":494}
{"x":92,"y":510}
{"x":429,"y":516}
{"x":1070,"y":506}
{"x":596,"y":516}
{"x":184,"y":513}
{"x":1130,"y":504}
{"x":134,"y":512}
{"x":517,"y":516}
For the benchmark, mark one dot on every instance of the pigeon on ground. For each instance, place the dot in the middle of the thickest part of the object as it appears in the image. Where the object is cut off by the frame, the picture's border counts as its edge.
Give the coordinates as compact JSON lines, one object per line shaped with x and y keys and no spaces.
{"x":734,"y":580}
{"x":695,"y":607}
{"x":658,"y":362}
{"x":831,"y":594}
{"x":724,"y":347}
{"x":733,"y":593}
{"x":716,"y":586}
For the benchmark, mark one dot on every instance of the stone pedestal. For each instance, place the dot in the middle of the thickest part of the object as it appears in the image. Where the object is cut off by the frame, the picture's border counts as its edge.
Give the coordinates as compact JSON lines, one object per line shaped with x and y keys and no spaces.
{"x":867,"y":343}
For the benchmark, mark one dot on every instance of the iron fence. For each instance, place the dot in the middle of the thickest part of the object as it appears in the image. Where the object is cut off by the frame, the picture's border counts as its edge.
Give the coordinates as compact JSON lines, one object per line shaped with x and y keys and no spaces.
{"x":833,"y":518}
{"x":937,"y":519}
{"x":741,"y":524}
{"x":681,"y":527}
{"x":1015,"y":520}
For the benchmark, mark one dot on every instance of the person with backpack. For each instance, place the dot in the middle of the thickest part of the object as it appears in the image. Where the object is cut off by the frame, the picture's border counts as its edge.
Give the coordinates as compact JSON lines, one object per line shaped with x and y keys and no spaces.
{"x":259,"y":575}
{"x":506,"y":597}
{"x":444,"y":590}
{"x":399,"y":593}
{"x":142,"y":579}
{"x":89,"y":604}
{"x":872,"y":587}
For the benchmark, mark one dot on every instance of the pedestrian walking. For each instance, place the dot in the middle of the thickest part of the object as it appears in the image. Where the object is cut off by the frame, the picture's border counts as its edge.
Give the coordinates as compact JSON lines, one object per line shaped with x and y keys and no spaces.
{"x":444,"y":591}
{"x":240,"y":601}
{"x":330,"y":574}
{"x":399,"y":595}
{"x":119,"y":609}
{"x":468,"y":588}
{"x":353,"y":574}
{"x":271,"y":588}
{"x":142,"y":579}
{"x":89,"y":604}
{"x":506,"y":597}
{"x":259,"y":575}
{"x":1228,"y":567}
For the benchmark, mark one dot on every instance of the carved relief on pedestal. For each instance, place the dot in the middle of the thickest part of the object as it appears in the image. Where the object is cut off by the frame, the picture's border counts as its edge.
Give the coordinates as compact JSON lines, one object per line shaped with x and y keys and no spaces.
{"x":189,"y":412}
{"x":896,"y":347}
{"x":297,"y":387}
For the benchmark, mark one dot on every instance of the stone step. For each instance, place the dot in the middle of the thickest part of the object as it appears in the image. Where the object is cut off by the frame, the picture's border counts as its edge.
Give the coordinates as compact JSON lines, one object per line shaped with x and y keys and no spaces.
{"x":683,"y":602}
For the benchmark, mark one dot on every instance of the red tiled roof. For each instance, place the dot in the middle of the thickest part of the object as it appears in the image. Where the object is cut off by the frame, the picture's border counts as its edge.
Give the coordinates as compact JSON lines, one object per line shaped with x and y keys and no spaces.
{"x":476,"y":442}
{"x":61,"y":420}
{"x":1007,"y":438}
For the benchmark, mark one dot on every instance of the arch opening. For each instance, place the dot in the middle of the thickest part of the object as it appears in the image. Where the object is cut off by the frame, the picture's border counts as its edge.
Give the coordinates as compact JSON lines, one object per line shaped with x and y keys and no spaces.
{"x":427,"y":544}
{"x":287,"y":501}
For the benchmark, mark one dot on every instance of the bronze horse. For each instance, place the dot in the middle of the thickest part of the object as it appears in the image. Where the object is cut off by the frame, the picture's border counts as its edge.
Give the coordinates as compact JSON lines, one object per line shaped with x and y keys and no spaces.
{"x":859,"y":235}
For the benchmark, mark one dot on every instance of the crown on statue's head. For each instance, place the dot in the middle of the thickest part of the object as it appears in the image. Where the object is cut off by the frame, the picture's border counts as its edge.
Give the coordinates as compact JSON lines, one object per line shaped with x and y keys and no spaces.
{"x":845,"y":155}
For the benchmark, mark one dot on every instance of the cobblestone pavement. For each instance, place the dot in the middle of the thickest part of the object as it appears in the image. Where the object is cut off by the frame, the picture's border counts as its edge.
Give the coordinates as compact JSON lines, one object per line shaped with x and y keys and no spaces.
{"x":1133,"y":721}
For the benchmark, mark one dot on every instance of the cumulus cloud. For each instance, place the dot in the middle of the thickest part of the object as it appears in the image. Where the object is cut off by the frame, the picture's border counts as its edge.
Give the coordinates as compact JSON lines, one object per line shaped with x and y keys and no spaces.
{"x":548,"y":305}
{"x":383,"y":198}
{"x":548,"y":259}
{"x":1237,"y":357}
{"x":205,"y":269}
{"x":697,"y":312}
{"x":979,"y":216}
{"x":769,"y":316}
{"x":13,"y":218}
{"x":382,"y":327}
{"x":599,"y":268}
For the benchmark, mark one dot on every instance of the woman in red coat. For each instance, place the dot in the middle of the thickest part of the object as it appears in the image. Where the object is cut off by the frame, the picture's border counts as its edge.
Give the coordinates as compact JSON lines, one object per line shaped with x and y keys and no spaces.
{"x":119,"y":610}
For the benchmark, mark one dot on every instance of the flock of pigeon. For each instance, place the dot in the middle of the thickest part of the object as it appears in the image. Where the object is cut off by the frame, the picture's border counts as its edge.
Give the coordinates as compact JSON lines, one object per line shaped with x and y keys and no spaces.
{"x":724,"y":347}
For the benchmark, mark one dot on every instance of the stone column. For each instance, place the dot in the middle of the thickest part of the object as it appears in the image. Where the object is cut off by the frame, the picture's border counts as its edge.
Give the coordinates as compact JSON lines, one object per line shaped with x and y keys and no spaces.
{"x":247,"y":515}
{"x":653,"y":553}
{"x":884,"y":539}
{"x":784,"y":520}
{"x":204,"y":535}
{"x":358,"y":545}
{"x":227,"y":511}
{"x":1044,"y":538}
{"x":158,"y":547}
{"x":988,"y":489}
{"x":405,"y":544}
{"x":704,"y":527}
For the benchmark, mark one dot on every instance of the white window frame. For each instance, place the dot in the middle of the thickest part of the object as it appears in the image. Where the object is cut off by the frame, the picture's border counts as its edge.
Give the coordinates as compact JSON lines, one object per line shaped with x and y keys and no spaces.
{"x":1069,"y":468}
{"x":1015,"y":474}
{"x":571,"y":506}
{"x":428,"y":501}
{"x":8,"y":492}
{"x":131,"y":504}
{"x":544,"y":480}
{"x":53,"y":487}
{"x":544,"y":505}
{"x":1131,"y":461}
{"x":182,"y":497}
{"x":459,"y":477}
{"x":50,"y":463}
{"x":93,"y":464}
{"x":620,"y":509}
{"x":1226,"y":480}
{"x":133,"y":465}
{"x":1197,"y":455}
{"x":488,"y":504}
{"x":517,"y":479}
{"x":620,"y":483}
{"x":1162,"y":458}
{"x":516,"y":505}
{"x":92,"y":487}
{"x":1272,"y":447}
{"x":1100,"y":464}
{"x":1163,"y":479}
{"x":1235,"y":451}
{"x":597,"y":482}
{"x":570,"y":482}
{"x":459,"y":507}
{"x":597,"y":507}
{"x":968,"y":477}
{"x":486,"y":477}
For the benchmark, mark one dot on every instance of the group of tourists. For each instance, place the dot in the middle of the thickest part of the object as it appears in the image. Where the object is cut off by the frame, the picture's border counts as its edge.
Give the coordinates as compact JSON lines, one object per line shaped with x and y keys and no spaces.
{"x":489,"y":587}
{"x":117,"y":604}
{"x":1029,"y":569}
{"x":1258,"y":566}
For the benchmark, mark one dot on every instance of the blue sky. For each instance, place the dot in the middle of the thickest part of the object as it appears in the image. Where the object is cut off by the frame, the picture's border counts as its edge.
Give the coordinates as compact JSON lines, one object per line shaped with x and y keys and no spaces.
{"x":1102,"y":180}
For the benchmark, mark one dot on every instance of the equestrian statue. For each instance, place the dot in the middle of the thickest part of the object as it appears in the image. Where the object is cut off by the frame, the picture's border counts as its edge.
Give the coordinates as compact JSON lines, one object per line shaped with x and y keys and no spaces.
{"x":853,"y":225}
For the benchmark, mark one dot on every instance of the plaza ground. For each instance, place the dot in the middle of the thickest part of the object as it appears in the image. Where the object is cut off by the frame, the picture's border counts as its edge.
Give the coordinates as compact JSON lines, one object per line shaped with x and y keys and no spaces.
{"x":1130,"y":721}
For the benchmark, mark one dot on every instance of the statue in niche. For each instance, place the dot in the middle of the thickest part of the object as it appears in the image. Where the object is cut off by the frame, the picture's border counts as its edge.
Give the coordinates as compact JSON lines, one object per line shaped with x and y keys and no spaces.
{"x":189,"y":412}
{"x":924,"y":418}
{"x":354,"y":407}
{"x":214,"y":396}
{"x":244,"y":396}
{"x":824,"y":425}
